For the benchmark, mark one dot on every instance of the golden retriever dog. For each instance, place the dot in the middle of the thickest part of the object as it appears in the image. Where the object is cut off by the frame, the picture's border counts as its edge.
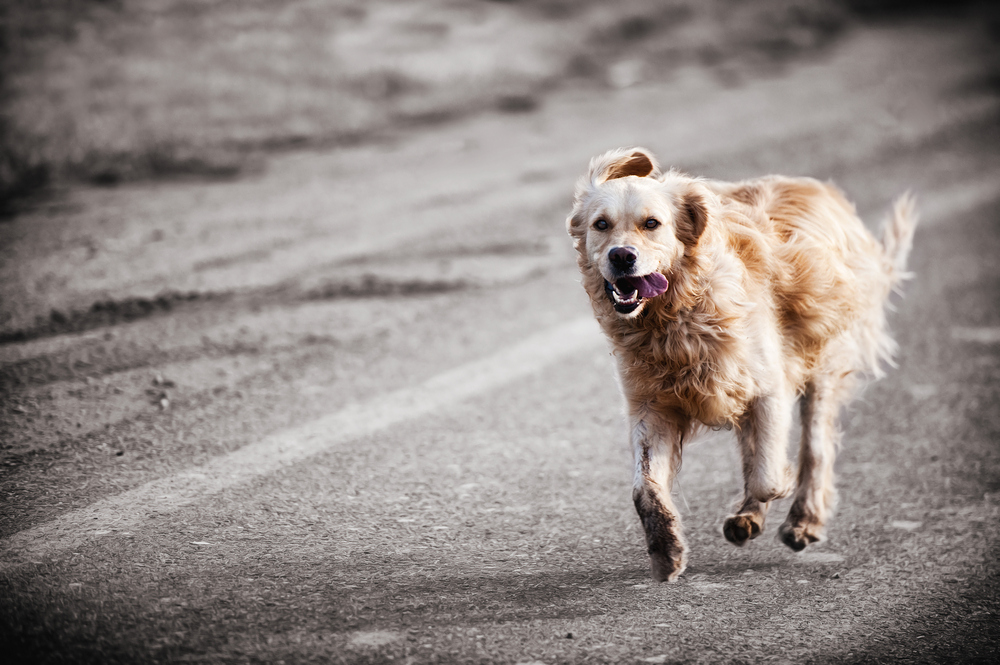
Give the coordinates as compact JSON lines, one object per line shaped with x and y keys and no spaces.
{"x":725,"y":303}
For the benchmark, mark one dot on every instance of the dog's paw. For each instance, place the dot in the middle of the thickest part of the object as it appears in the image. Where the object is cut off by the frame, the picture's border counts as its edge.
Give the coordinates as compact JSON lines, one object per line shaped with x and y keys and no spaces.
{"x":667,"y":566}
{"x":664,"y":538}
{"x":797,"y":535}
{"x":738,"y":529}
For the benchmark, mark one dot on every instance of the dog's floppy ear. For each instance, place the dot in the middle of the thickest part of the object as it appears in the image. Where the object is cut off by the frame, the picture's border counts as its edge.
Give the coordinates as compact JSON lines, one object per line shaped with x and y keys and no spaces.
{"x":693,"y":216}
{"x":621,"y":163}
{"x":612,"y":164}
{"x":574,"y":225}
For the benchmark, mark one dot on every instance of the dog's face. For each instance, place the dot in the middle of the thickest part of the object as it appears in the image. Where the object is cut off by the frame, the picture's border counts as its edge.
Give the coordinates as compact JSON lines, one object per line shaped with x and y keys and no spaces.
{"x":632,"y":226}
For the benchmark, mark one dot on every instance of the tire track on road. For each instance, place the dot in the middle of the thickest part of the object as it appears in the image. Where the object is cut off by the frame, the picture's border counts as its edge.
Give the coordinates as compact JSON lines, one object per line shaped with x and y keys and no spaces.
{"x":132,"y":508}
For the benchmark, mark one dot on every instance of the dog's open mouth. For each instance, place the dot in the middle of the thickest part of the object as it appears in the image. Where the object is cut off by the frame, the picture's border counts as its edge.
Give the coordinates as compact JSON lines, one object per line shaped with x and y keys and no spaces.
{"x":627,"y":293}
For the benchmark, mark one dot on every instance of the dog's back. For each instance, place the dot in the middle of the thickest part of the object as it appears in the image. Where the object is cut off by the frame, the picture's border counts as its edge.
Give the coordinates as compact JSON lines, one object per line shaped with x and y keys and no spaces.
{"x":830,"y":276}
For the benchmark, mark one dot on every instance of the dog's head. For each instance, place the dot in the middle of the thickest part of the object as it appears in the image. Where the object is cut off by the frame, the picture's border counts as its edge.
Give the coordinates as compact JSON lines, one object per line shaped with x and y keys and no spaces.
{"x":633,"y":226}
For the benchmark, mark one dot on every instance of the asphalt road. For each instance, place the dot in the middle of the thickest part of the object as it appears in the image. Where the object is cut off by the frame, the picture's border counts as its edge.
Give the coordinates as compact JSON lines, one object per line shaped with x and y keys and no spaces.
{"x":353,"y":408}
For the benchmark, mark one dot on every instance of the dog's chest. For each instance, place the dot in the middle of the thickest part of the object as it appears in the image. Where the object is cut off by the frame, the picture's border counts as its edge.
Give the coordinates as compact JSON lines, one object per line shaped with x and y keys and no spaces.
{"x":699,"y":369}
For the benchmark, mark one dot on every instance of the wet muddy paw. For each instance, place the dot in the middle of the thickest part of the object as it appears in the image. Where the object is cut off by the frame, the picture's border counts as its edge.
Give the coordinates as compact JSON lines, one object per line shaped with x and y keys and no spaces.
{"x":667,"y":566}
{"x":738,"y":529}
{"x":797,"y":536}
{"x":664,"y":539}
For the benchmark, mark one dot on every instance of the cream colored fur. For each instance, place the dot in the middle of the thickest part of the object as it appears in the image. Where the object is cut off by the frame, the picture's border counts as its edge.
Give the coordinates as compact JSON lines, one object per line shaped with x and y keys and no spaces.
{"x":777,"y":294}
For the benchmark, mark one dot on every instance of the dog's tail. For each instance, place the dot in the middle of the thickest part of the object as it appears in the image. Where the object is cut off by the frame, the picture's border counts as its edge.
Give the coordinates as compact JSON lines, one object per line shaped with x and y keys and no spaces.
{"x":897,"y":238}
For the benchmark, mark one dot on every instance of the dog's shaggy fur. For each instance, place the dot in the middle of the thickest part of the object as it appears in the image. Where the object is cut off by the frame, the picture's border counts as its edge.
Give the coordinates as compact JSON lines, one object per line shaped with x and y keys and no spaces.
{"x":775,"y":292}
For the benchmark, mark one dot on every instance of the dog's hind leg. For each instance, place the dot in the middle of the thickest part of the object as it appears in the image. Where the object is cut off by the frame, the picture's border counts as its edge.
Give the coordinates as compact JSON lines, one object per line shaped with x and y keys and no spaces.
{"x":657,"y":449}
{"x":815,"y":496}
{"x":763,"y":441}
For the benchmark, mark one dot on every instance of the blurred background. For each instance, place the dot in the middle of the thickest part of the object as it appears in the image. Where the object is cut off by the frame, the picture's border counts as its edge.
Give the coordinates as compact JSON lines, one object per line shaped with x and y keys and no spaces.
{"x":221,"y":219}
{"x":108,"y":91}
{"x":102,"y":93}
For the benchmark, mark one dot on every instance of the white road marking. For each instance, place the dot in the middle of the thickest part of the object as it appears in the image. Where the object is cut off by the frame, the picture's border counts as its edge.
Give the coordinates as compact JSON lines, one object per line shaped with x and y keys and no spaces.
{"x":128,"y":510}
{"x":942,"y":205}
{"x":373,"y":638}
{"x":976,"y":335}
{"x":817,"y":557}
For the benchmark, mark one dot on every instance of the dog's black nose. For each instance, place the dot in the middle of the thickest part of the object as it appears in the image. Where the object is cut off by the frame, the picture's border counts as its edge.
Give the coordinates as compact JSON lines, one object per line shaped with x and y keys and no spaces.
{"x":623,"y":258}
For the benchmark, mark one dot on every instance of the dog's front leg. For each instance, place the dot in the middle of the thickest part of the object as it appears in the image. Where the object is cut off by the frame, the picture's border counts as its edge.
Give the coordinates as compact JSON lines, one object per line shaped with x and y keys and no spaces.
{"x":657,"y":449}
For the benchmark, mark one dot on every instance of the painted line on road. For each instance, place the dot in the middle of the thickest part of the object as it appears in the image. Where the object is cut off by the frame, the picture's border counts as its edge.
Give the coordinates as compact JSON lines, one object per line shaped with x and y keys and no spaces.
{"x":937,"y":206}
{"x":976,"y":335}
{"x":128,"y":510}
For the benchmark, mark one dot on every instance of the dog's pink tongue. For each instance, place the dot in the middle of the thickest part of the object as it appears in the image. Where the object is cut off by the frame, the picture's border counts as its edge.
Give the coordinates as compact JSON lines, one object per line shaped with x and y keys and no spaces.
{"x":648,"y":286}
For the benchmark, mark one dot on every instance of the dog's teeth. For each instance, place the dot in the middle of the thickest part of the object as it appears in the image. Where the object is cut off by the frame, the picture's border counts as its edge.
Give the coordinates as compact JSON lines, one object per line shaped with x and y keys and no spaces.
{"x":619,"y":298}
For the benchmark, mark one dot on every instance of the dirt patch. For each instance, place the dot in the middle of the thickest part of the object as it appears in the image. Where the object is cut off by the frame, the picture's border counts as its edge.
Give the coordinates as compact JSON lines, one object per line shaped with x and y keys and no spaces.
{"x":105,"y":313}
{"x":376,"y":286}
{"x":424,"y":268}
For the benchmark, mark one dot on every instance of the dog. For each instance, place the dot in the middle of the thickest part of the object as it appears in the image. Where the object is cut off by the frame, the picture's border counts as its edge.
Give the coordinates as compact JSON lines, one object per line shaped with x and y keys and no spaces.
{"x":725,"y":303}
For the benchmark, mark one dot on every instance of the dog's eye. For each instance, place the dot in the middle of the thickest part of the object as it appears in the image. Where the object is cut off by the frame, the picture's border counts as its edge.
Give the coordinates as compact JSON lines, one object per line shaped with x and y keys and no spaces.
{"x":601,"y":225}
{"x":652,"y":223}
